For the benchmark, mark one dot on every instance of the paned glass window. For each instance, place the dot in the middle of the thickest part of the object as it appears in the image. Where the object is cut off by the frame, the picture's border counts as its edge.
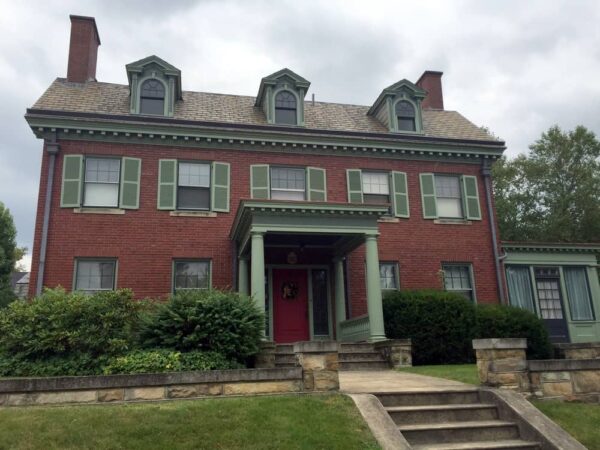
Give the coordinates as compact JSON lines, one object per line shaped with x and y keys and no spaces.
{"x":449,"y":199}
{"x":320,"y":299}
{"x":94,"y":276}
{"x":457,"y":278}
{"x":547,"y":280}
{"x":288,"y":183}
{"x":286,"y":108}
{"x":520,"y":292}
{"x":578,"y":292}
{"x":193,"y":187}
{"x":192,"y":275}
{"x":376,"y":187}
{"x":405,"y":113}
{"x":102,"y":176}
{"x":152,"y":98}
{"x":388,"y":275}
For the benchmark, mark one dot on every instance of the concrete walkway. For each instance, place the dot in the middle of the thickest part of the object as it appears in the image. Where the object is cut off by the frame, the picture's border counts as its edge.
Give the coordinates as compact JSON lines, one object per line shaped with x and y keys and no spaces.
{"x":394,"y":381}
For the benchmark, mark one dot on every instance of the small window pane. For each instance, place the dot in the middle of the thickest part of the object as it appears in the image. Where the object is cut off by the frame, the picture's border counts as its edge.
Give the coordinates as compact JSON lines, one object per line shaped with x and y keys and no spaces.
{"x":405,"y":109}
{"x":102,"y":170}
{"x":193,"y":198}
{"x":153,"y":89}
{"x":95,"y":276}
{"x":375,"y":183}
{"x":287,"y":195}
{"x":387,"y":276}
{"x":288,"y":183}
{"x":449,"y":207}
{"x":406,"y":124}
{"x":285,"y":99}
{"x":192,"y":275}
{"x":194,"y":174}
{"x":285,"y":116}
{"x":457,"y":278}
{"x":320,"y":303}
{"x":101,"y":195}
{"x":154,"y":106}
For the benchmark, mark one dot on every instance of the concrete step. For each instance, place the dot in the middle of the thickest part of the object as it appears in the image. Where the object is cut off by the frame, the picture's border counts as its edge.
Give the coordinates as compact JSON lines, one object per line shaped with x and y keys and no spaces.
{"x":437,"y":433}
{"x":364,"y":364}
{"x":356,"y":348}
{"x":284,"y":365}
{"x":357,"y":356}
{"x":285,"y":358}
{"x":470,"y":412}
{"x":417,"y":398}
{"x":284,"y":348}
{"x":511,"y":444}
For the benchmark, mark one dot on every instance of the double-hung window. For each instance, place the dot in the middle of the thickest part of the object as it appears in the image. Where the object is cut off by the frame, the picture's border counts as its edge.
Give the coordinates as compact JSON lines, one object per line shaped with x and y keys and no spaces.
{"x":95,"y":275}
{"x":191,"y":275}
{"x":578,"y":293}
{"x":449,"y":198}
{"x":101,"y":182}
{"x":193,"y":186}
{"x":288,"y":183}
{"x":376,"y":187}
{"x":458,"y":278}
{"x":388,"y":276}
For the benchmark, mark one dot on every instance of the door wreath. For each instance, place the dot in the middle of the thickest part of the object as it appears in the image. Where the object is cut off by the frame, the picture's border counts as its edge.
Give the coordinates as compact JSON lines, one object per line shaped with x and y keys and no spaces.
{"x":289,"y":290}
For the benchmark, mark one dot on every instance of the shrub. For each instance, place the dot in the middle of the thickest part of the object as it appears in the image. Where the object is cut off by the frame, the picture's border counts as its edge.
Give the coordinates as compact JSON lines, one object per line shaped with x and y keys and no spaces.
{"x":509,"y":321}
{"x":7,"y":296}
{"x":439,"y":323}
{"x":63,"y":365}
{"x":59,"y":323}
{"x":209,"y":320}
{"x":165,"y":360}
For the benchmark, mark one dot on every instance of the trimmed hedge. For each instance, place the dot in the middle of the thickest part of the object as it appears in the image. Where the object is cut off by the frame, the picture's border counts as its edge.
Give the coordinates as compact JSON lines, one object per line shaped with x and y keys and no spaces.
{"x":442,"y":325}
{"x":209,"y":320}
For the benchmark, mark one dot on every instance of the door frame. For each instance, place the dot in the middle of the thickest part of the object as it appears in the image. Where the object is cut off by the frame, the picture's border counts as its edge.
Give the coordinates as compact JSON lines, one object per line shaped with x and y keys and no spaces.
{"x":563,"y":295}
{"x":307,"y":268}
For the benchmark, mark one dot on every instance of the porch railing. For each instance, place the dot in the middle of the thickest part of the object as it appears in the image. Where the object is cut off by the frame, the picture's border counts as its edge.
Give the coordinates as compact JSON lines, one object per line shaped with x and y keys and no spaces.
{"x":356,"y":329}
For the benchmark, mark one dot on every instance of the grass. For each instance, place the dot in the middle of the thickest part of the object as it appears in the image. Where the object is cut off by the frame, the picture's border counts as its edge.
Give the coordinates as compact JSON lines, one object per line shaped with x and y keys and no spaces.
{"x":579,"y":419}
{"x":465,"y":373}
{"x":290,"y":422}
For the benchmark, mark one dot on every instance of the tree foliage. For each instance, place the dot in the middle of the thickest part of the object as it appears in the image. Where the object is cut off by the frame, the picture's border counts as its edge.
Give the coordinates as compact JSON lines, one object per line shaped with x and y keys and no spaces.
{"x":552,"y":193}
{"x":8,"y":254}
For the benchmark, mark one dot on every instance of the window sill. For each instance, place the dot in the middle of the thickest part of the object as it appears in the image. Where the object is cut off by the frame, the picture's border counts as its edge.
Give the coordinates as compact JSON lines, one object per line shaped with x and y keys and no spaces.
{"x":99,"y":211}
{"x":388,"y":220}
{"x":193,"y":214}
{"x":452,"y":222}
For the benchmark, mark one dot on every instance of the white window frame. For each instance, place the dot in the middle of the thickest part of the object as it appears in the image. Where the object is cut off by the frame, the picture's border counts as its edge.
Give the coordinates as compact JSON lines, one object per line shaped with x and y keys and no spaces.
{"x":469,"y":267}
{"x":378,"y":173}
{"x":460,"y":198}
{"x":273,"y":189}
{"x":396,"y":275}
{"x":86,"y":183}
{"x":208,"y":188}
{"x":78,"y":261}
{"x":208,"y":262}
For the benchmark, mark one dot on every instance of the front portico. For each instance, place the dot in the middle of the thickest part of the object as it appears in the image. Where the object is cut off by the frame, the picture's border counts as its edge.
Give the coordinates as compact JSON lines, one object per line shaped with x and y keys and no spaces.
{"x":284,"y":249}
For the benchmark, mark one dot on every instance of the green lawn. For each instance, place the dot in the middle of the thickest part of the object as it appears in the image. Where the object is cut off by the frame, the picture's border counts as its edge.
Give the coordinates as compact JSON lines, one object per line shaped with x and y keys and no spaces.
{"x":465,"y":373}
{"x":580,"y":419}
{"x":278,"y":422}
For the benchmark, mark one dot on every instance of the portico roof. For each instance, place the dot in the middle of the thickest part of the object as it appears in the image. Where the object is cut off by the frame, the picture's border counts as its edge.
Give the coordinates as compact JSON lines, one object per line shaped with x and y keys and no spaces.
{"x":351,"y":222}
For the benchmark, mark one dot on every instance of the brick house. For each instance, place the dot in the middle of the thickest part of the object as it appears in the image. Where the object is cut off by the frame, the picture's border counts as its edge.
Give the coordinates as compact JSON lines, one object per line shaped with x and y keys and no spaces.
{"x":314,"y":208}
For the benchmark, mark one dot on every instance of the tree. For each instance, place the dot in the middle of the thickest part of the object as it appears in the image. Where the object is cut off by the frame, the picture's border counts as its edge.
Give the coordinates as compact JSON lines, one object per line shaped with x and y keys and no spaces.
{"x":8,"y":246}
{"x":553,"y":193}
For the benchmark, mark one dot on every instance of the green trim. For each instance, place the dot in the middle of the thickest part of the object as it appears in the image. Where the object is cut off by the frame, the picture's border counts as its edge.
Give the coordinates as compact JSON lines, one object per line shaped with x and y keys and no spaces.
{"x":549,"y":247}
{"x":131,"y":169}
{"x":393,"y":90}
{"x":167,"y":184}
{"x":273,"y":79}
{"x":72,"y":181}
{"x":393,"y":120}
{"x":220,"y":186}
{"x":373,"y":285}
{"x":316,"y":184}
{"x":471,"y":197}
{"x":260,"y":181}
{"x":400,"y":201}
{"x":428,"y":196}
{"x":354,"y":185}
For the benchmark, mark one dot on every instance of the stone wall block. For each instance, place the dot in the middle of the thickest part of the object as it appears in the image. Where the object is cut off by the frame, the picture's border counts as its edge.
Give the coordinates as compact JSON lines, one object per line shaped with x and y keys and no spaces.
{"x":508,"y":365}
{"x":264,"y":387}
{"x":111,"y":395}
{"x":398,"y":352}
{"x":194,"y":390}
{"x":326,"y":380}
{"x":557,"y":389}
{"x":586,"y":381}
{"x":145,"y":393}
{"x":555,"y":376}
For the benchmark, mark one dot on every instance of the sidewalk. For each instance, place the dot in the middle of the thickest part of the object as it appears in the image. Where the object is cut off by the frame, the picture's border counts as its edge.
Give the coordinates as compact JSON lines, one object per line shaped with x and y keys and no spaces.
{"x":394,"y":381}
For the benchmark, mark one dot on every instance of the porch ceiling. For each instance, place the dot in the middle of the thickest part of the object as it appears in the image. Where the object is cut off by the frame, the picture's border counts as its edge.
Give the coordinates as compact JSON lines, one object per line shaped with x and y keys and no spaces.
{"x":341,"y":224}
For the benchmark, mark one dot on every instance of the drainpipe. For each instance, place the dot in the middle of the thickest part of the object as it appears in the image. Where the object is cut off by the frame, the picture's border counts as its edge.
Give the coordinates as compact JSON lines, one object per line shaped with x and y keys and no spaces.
{"x":52,"y":148}
{"x":486,"y":170}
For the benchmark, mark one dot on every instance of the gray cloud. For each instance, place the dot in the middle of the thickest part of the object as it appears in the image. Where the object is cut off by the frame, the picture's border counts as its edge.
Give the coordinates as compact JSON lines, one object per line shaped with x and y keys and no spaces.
{"x":516,"y":67}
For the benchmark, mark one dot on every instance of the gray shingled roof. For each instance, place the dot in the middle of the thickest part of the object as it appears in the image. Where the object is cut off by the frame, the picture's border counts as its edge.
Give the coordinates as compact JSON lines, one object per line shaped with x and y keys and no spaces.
{"x":109,"y":98}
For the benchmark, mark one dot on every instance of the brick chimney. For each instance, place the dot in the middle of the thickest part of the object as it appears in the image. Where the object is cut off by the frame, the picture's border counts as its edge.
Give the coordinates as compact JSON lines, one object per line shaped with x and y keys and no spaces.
{"x":83,"y":49}
{"x":431,"y":82}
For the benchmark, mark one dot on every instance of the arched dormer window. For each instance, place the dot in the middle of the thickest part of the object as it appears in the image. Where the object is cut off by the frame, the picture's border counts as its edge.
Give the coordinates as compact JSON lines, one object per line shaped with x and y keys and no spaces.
{"x":405,"y":115}
{"x":152,"y":97}
{"x":286,"y":108}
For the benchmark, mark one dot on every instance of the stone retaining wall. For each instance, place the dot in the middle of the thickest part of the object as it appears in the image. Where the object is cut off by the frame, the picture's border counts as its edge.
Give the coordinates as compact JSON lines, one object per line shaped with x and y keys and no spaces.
{"x":583,"y":350}
{"x":119,"y":388}
{"x":571,"y":379}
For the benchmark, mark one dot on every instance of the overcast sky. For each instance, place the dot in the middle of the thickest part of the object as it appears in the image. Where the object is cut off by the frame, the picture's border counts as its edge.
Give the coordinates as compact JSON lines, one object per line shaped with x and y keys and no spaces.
{"x":517,"y":67}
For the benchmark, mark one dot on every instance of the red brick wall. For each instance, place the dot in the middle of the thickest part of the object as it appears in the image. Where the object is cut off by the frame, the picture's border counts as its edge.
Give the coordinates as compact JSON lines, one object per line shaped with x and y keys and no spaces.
{"x":145,"y":241}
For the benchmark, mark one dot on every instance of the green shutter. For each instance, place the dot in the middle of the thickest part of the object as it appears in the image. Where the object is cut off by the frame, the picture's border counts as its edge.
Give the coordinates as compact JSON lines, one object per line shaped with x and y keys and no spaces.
{"x":317,"y":184}
{"x":354,"y":181}
{"x":220,"y":187}
{"x":428,"y":196}
{"x":131,"y":169}
{"x":400,"y":192}
{"x":259,"y":181}
{"x":167,"y":184}
{"x":471,"y":197}
{"x":72,"y":177}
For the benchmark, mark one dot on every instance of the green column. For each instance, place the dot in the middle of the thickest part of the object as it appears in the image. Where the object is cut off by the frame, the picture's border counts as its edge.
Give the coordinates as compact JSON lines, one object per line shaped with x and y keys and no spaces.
{"x":257,"y":270}
{"x":340,"y":300}
{"x":374,"y":303}
{"x":243,"y":276}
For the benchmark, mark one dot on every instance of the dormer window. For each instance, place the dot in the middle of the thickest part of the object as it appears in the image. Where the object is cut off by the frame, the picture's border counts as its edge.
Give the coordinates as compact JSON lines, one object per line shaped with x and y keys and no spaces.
{"x":286,"y":108}
{"x":152,"y":97}
{"x":405,"y":115}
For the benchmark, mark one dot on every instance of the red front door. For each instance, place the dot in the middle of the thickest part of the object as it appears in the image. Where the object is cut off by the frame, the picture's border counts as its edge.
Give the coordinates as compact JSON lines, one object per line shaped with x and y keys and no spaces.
{"x":290,"y":305}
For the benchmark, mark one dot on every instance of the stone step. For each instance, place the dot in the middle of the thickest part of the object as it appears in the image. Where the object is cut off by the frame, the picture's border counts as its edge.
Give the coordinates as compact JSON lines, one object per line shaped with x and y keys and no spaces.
{"x":512,"y":444}
{"x":284,"y":348}
{"x":469,"y":412}
{"x":437,"y":433}
{"x":356,"y":348}
{"x":284,"y":365}
{"x":417,"y":398}
{"x":356,"y":356}
{"x":366,"y":364}
{"x":285,"y":358}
